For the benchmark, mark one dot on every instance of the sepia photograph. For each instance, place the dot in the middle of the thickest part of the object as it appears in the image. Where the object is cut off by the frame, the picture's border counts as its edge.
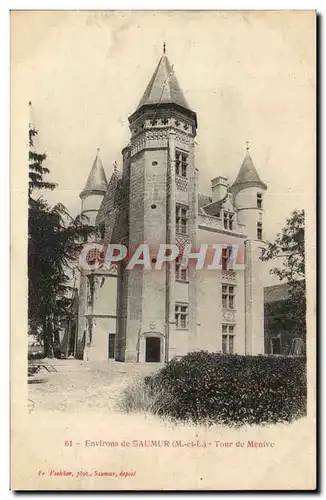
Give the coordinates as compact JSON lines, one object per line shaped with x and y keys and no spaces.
{"x":163,"y":234}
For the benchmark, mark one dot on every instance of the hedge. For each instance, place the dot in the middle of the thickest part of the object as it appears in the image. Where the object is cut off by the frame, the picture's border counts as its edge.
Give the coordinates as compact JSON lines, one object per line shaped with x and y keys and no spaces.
{"x":230,"y":389}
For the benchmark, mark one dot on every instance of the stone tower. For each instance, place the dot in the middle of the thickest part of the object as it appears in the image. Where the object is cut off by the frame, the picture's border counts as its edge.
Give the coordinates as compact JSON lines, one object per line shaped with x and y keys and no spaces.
{"x":157,"y":312}
{"x":248,"y":191}
{"x":91,"y":200}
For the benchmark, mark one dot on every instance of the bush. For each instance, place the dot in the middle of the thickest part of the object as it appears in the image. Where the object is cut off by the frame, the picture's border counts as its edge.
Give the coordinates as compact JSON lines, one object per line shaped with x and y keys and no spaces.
{"x":139,"y":397}
{"x":212,"y":388}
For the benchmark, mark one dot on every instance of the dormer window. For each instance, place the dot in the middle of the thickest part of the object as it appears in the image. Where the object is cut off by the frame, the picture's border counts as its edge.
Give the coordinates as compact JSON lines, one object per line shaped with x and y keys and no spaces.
{"x":228,"y":220}
{"x":259,"y":200}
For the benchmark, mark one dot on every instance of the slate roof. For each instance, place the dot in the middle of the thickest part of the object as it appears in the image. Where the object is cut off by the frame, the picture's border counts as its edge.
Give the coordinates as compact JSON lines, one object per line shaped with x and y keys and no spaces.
{"x":163,"y":87}
{"x":247,"y":176}
{"x":203,"y":200}
{"x":96,"y":181}
{"x":111,"y":197}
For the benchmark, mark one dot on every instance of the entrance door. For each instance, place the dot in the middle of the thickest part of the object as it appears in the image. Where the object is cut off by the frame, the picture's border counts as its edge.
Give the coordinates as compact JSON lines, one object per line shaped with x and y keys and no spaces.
{"x":153,"y":350}
{"x":111,"y":345}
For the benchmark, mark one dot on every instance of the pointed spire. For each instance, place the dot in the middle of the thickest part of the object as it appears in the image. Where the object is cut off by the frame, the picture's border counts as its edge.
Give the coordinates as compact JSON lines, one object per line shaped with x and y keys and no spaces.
{"x":248,"y":175}
{"x":163,"y":87}
{"x":96,"y":182}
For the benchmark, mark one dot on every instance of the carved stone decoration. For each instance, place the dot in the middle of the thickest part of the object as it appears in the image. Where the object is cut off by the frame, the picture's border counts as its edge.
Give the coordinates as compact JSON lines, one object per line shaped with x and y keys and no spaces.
{"x":181,"y":240}
{"x":228,"y":316}
{"x":152,"y":325}
{"x":183,"y":137}
{"x":210,"y":221}
{"x":228,"y":276}
{"x":113,"y":269}
{"x":181,"y":183}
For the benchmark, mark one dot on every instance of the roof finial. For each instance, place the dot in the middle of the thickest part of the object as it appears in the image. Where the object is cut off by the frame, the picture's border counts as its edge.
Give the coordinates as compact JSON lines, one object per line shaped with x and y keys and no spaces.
{"x":115,"y":166}
{"x":98,"y":150}
{"x":164,"y":47}
{"x":247,"y":146}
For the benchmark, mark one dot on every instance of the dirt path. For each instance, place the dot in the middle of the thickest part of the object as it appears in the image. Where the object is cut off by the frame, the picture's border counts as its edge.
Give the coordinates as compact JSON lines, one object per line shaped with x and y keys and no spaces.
{"x":76,"y":386}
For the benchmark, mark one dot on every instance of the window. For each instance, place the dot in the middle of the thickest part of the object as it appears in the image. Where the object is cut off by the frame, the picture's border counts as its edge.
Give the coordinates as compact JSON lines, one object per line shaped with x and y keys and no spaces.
{"x":226,"y":255}
{"x":228,"y":220}
{"x":259,"y":231}
{"x":181,"y":164}
{"x":228,"y":339}
{"x":259,"y":200}
{"x":228,"y":292}
{"x":177,"y":162}
{"x":181,"y":315}
{"x":180,"y":274}
{"x":181,"y":219}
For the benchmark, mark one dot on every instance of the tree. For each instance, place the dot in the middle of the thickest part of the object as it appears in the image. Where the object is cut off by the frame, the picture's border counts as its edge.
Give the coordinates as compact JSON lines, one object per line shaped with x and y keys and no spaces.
{"x":289,"y":247}
{"x":54,"y":241}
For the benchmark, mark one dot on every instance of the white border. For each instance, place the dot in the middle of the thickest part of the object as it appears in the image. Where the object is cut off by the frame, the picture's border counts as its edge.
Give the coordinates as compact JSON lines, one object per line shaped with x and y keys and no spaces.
{"x":4,"y":151}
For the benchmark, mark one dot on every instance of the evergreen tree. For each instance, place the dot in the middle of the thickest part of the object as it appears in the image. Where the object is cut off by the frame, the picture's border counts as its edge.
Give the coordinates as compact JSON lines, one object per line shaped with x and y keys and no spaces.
{"x":54,"y":242}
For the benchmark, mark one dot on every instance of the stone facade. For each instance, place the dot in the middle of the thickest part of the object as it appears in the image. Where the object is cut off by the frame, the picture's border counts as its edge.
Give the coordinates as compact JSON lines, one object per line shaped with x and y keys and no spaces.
{"x":141,"y":315}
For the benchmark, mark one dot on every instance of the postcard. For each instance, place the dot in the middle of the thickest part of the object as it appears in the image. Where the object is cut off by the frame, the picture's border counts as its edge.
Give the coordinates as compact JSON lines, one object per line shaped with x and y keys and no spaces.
{"x":163,"y":168}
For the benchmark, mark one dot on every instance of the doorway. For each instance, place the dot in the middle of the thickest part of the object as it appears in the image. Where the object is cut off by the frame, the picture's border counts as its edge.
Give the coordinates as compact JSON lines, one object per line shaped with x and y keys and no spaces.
{"x":153,"y":350}
{"x":111,"y":345}
{"x":276,"y":345}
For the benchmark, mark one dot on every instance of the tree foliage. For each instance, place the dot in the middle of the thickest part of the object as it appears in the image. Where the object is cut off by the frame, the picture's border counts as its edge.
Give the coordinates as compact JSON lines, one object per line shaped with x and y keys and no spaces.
{"x":54,"y":242}
{"x":289,"y":248}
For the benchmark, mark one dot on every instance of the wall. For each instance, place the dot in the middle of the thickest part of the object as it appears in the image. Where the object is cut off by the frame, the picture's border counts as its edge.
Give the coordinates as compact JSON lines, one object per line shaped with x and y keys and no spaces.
{"x":211,"y":315}
{"x":98,"y":350}
{"x":254,"y":298}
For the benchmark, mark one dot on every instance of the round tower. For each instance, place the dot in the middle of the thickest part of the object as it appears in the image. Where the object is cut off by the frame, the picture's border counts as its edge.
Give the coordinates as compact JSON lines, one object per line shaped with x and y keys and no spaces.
{"x":248,"y":191}
{"x":94,"y":191}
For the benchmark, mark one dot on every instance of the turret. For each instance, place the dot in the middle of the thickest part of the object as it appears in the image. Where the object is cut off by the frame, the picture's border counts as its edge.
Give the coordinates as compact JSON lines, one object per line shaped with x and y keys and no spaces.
{"x":94,"y":190}
{"x":248,"y":191}
{"x":162,"y":208}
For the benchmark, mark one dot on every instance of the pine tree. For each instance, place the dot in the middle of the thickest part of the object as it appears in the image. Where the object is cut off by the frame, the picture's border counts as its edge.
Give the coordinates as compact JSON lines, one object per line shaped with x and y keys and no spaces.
{"x":54,"y":241}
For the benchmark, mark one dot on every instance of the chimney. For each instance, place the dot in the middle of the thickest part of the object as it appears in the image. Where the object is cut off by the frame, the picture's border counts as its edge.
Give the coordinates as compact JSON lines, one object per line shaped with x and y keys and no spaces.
{"x":219,"y":188}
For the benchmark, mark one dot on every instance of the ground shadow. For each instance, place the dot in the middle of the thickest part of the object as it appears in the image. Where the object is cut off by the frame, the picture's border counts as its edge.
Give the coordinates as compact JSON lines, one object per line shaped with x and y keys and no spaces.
{"x":37,"y":381}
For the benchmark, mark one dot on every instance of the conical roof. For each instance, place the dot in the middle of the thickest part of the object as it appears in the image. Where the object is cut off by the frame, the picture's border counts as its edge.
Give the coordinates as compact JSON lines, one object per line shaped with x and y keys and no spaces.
{"x":247,"y":176}
{"x":112,"y":196}
{"x":96,"y":182}
{"x":163,"y":87}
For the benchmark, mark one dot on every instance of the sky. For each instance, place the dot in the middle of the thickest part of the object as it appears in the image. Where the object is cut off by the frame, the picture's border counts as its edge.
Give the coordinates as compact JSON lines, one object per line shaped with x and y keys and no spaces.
{"x":250,"y":76}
